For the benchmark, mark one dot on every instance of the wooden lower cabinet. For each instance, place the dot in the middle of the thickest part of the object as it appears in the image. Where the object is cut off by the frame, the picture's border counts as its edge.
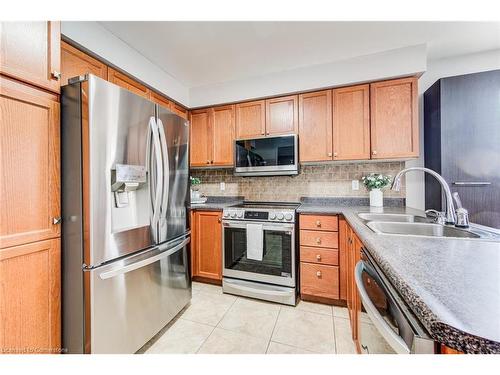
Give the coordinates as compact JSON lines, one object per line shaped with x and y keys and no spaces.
{"x":319,"y":280}
{"x":206,"y":246}
{"x":30,"y":303}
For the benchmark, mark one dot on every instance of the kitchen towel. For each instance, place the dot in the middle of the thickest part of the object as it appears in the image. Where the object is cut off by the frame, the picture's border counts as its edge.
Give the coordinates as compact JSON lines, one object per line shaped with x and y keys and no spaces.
{"x":255,"y":241}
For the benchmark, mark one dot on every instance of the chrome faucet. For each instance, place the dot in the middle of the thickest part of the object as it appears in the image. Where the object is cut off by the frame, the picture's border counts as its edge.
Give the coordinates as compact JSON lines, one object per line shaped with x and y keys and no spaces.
{"x":449,"y":214}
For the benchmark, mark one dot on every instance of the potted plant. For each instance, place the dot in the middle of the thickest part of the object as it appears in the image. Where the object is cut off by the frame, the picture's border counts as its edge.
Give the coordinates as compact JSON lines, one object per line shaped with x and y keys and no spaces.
{"x":375,"y":182}
{"x":195,"y":185}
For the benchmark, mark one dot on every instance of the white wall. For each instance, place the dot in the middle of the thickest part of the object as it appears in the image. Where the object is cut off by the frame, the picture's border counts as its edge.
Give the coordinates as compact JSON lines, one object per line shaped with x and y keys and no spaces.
{"x":477,"y":62}
{"x":97,"y":39}
{"x":389,"y":64}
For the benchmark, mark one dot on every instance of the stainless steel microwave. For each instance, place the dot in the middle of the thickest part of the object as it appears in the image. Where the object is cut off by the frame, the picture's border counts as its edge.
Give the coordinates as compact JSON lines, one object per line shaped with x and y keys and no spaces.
{"x":268,"y":156}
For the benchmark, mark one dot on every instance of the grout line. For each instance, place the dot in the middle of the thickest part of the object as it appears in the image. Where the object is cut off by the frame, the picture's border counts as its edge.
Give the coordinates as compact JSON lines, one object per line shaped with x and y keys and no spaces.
{"x":334,"y":333}
{"x":274,"y":327}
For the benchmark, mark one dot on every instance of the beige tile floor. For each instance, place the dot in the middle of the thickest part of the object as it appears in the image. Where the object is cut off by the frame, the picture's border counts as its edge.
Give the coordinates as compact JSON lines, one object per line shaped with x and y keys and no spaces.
{"x":221,"y":323}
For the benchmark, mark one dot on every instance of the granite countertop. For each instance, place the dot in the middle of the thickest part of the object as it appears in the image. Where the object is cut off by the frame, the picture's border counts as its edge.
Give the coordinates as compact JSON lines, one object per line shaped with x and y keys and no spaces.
{"x":217,"y":203}
{"x":452,"y":285}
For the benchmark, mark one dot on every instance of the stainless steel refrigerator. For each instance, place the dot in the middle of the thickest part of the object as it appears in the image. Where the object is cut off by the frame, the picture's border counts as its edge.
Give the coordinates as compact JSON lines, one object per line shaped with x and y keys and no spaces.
{"x":125,"y":183}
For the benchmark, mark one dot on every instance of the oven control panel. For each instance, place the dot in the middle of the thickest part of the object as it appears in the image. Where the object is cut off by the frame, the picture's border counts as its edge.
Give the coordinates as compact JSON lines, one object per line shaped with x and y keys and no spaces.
{"x":256,"y":215}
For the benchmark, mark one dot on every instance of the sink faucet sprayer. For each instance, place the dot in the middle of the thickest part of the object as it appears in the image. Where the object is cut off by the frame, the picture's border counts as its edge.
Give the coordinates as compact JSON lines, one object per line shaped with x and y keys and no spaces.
{"x":450,"y":216}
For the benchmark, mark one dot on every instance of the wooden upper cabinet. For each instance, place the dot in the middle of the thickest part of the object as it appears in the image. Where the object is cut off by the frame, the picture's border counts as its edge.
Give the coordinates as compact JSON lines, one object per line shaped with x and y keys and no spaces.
{"x":315,"y":126}
{"x":251,"y":119}
{"x":159,"y":99}
{"x":394,"y":118}
{"x":282,"y":115}
{"x":351,"y":123}
{"x":179,"y":110}
{"x":200,"y":138}
{"x":124,"y":81}
{"x":29,"y":164}
{"x":223,"y":135}
{"x":207,"y":244}
{"x":30,"y":298}
{"x":76,"y":63}
{"x":30,"y":52}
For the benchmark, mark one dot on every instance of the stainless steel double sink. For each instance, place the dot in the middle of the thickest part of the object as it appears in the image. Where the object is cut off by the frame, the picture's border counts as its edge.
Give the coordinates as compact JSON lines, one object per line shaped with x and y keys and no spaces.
{"x":414,"y":225}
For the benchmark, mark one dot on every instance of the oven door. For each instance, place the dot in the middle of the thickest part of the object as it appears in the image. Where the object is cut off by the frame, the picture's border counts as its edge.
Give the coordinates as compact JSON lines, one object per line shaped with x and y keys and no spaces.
{"x":385,"y":323}
{"x":278,"y":261}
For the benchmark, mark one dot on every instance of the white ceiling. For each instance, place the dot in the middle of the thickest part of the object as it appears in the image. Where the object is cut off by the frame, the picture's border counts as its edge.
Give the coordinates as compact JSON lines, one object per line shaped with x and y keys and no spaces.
{"x":204,"y":53}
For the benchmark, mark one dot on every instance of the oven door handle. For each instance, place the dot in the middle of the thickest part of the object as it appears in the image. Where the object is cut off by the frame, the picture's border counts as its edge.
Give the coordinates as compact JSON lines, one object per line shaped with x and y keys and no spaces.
{"x":393,"y":339}
{"x":281,"y":227}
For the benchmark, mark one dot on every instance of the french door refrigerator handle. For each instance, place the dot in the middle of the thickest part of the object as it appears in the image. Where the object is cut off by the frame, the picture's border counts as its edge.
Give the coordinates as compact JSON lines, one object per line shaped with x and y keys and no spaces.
{"x":163,"y":142}
{"x":144,"y":262}
{"x":159,"y":177}
{"x":394,"y":340}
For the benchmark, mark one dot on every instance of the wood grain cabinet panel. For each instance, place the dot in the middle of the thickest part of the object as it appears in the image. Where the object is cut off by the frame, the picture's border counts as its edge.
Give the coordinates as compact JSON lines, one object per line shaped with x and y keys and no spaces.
{"x":315,"y":126}
{"x":30,"y":298}
{"x":29,"y":164}
{"x":282,"y":115}
{"x":160,"y":100}
{"x":179,"y":110}
{"x":124,"y":81}
{"x":351,"y":123}
{"x":320,"y":256}
{"x":319,"y":222}
{"x":223,"y":125}
{"x":201,"y":138}
{"x":251,"y":119}
{"x":319,"y":280}
{"x":394,"y":118}
{"x":30,"y":52}
{"x":343,"y":244}
{"x":317,"y":238}
{"x":76,"y":63}
{"x":206,"y":248}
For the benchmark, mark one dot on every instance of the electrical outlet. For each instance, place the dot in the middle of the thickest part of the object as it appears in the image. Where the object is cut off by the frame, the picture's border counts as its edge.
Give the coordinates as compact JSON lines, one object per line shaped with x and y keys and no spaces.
{"x":222,"y":186}
{"x":355,"y":184}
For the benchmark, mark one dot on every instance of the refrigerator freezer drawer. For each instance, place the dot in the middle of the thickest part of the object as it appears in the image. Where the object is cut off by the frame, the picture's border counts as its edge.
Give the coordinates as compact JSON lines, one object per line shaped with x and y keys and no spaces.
{"x":134,"y":298}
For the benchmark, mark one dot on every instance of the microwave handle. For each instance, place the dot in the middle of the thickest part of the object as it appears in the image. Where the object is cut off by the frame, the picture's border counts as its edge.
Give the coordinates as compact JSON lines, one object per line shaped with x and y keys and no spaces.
{"x":394,"y":340}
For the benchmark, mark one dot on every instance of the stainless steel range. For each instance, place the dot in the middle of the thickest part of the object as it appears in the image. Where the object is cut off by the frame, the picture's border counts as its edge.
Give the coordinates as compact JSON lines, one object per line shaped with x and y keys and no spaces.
{"x":259,"y":250}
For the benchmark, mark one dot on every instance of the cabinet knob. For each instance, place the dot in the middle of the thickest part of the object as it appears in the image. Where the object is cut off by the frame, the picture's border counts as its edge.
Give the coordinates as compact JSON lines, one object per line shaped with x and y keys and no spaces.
{"x":318,"y":257}
{"x":335,"y":154}
{"x":318,"y":273}
{"x":219,"y":220}
{"x":56,"y":75}
{"x":208,"y":161}
{"x":318,"y":223}
{"x":56,"y":220}
{"x":211,"y":161}
{"x":374,"y":152}
{"x":318,"y":240}
{"x":330,"y":154}
{"x":268,"y":133}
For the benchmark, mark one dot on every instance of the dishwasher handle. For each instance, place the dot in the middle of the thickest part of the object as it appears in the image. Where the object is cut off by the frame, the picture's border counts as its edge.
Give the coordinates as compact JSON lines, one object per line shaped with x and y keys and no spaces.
{"x":392,"y":338}
{"x":144,"y":262}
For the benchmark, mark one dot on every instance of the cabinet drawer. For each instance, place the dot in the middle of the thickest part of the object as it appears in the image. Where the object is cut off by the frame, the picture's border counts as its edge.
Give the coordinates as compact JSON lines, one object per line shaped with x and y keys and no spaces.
{"x":319,"y":238}
{"x":319,"y":280}
{"x":319,"y":222}
{"x":319,"y":255}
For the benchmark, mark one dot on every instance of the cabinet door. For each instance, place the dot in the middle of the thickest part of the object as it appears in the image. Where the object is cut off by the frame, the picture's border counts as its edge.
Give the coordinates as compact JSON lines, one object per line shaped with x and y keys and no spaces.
{"x":315,"y":126}
{"x":282,"y":115}
{"x":251,"y":119}
{"x":351,"y":123}
{"x":208,"y":245}
{"x":76,"y":63}
{"x":343,"y":244}
{"x":29,"y":164}
{"x":31,"y":52}
{"x":179,"y":110}
{"x":356,"y":300}
{"x":30,"y":298}
{"x":223,"y":135}
{"x":394,"y":118}
{"x":201,"y":138}
{"x":159,"y":99}
{"x":128,"y":83}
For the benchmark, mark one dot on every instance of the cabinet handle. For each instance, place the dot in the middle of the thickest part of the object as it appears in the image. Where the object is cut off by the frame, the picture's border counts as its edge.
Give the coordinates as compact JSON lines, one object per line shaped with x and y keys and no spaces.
{"x":374,"y":152}
{"x":56,"y":220}
{"x":335,"y":154}
{"x":219,"y":220}
{"x":208,"y":161}
{"x":56,"y":75}
{"x":318,"y":240}
{"x":318,"y":257}
{"x":318,"y":274}
{"x":318,"y":223}
{"x":330,"y":154}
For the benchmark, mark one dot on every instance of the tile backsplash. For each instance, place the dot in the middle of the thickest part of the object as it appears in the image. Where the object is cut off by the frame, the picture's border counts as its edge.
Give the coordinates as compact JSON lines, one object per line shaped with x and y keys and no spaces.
{"x":324,"y":180}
